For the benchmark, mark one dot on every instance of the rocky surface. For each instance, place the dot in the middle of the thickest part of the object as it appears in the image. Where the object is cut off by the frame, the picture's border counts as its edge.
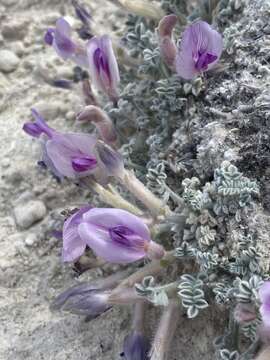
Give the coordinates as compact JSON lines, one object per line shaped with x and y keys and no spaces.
{"x":31,"y":272}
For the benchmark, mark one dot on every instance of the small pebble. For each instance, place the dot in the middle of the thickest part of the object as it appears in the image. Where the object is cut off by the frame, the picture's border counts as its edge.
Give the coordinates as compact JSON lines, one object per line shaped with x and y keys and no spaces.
{"x":18,"y":48}
{"x":31,"y":239}
{"x":8,"y":61}
{"x":14,"y":29}
{"x":29,"y":213}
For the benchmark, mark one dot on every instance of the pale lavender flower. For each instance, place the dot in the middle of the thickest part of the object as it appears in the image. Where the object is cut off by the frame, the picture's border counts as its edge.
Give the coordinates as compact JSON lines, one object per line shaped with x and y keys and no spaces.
{"x":200,"y":50}
{"x":60,"y":38}
{"x":113,"y":234}
{"x":264,"y":295}
{"x":73,"y":155}
{"x":103,"y":66}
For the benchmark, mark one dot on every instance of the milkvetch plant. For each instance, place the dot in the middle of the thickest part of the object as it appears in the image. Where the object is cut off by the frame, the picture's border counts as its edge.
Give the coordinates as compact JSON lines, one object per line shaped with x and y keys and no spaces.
{"x":153,"y":219}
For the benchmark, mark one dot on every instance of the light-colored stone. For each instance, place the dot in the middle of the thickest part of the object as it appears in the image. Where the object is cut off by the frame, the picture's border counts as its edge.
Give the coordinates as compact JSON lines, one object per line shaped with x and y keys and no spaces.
{"x":8,"y":61}
{"x":18,"y":48}
{"x":15,"y":29}
{"x":29,"y":213}
{"x":31,"y":239}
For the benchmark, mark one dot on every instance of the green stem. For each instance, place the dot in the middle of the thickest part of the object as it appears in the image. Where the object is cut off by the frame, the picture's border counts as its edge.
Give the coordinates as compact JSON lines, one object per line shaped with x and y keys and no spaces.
{"x":111,"y":197}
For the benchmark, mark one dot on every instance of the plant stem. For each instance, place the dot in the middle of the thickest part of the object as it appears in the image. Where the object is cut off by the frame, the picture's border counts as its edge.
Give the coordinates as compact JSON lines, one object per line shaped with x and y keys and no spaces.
{"x":165,"y":331}
{"x":153,"y":268}
{"x":124,"y":296}
{"x":114,"y":199}
{"x":137,"y":188}
{"x":138,"y":319}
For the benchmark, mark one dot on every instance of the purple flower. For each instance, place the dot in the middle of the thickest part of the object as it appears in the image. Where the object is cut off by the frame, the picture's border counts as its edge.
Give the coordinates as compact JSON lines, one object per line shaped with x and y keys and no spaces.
{"x":136,"y":347}
{"x":81,"y":12}
{"x":113,"y":234}
{"x":60,"y":38}
{"x":84,"y":299}
{"x":200,"y":50}
{"x":72,"y":155}
{"x":103,"y":66}
{"x":264,"y":295}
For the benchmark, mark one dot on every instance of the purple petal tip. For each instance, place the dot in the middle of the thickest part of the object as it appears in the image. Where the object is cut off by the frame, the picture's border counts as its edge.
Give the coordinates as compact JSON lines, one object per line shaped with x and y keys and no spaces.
{"x":85,"y":163}
{"x":48,"y":37}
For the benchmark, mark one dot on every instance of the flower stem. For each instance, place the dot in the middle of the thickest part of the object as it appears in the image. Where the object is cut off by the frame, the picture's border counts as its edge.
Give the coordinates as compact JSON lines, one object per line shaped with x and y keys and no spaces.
{"x":137,"y":188}
{"x":165,"y":331}
{"x":124,"y":296}
{"x":138,"y":319}
{"x":153,"y":268}
{"x":115,"y":199}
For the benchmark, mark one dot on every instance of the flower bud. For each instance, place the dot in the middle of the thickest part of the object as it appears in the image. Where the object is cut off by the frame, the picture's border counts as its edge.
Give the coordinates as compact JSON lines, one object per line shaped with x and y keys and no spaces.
{"x":102,"y":122}
{"x":84,"y":299}
{"x":89,"y":299}
{"x":136,"y":346}
{"x":103,"y":67}
{"x":167,"y":45}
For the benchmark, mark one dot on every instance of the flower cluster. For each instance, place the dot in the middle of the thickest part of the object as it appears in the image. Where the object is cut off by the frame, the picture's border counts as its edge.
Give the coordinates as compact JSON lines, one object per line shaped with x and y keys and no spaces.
{"x":98,"y":56}
{"x":137,"y":223}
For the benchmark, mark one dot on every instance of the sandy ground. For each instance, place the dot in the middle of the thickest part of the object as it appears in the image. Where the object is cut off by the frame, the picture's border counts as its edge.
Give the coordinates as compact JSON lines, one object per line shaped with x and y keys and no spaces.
{"x":31,"y":273}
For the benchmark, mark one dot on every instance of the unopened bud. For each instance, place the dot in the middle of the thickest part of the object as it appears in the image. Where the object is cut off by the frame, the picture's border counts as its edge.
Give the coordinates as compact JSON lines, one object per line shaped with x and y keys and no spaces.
{"x":102,"y":122}
{"x":83,"y":299}
{"x":167,"y":45}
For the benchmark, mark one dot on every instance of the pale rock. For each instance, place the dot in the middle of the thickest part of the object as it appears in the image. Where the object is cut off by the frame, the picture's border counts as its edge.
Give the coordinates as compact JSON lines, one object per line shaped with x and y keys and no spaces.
{"x":8,"y":61}
{"x":15,"y":29}
{"x":29,"y":213}
{"x":18,"y":48}
{"x":31,"y":239}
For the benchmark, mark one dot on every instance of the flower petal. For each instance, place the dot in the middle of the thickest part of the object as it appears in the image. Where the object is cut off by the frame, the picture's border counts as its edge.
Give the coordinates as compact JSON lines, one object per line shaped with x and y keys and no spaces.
{"x":264,"y":292}
{"x":62,"y":149}
{"x":103,"y":66}
{"x":109,"y":218}
{"x":60,"y":156}
{"x":99,"y":241}
{"x":84,"y":142}
{"x":265,"y":313}
{"x":92,"y":46}
{"x":73,"y":245}
{"x":62,"y":43}
{"x":106,"y":46}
